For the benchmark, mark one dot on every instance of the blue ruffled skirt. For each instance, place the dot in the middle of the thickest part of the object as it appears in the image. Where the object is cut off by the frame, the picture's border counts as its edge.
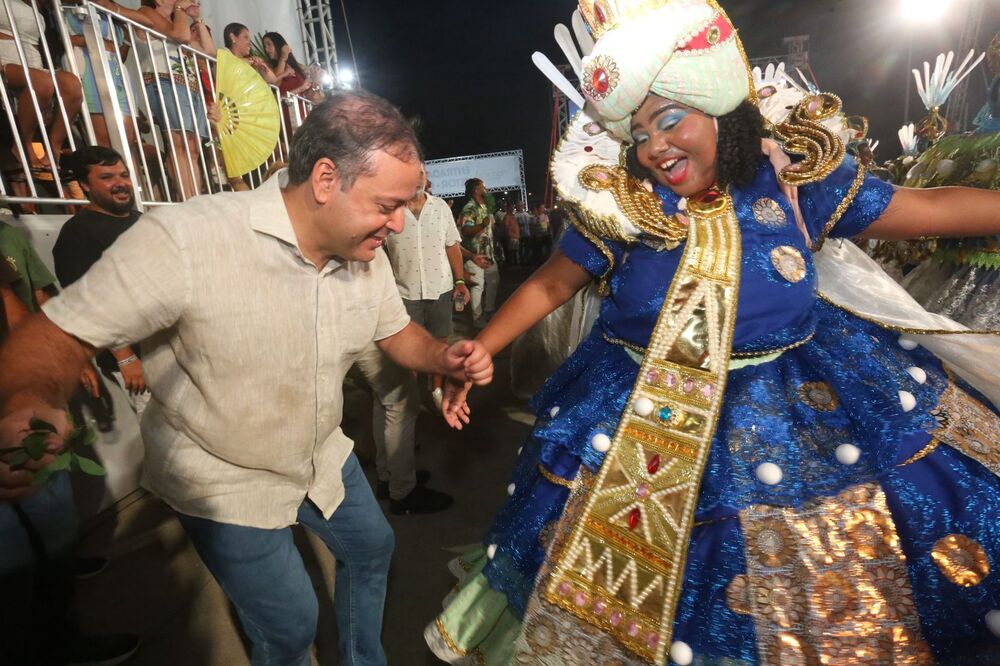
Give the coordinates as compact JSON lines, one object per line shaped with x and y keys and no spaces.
{"x":886,"y":504}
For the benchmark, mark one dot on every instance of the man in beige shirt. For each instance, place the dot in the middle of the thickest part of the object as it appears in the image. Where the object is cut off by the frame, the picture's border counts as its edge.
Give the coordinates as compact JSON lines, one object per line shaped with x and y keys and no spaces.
{"x":251,"y":308}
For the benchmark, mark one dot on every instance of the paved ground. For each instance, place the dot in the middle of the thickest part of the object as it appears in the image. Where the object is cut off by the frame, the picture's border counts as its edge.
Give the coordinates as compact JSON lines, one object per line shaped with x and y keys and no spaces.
{"x":157,"y":587}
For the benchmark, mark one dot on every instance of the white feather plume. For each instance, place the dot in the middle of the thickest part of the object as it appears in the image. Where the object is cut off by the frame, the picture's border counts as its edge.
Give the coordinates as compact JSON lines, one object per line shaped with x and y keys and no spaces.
{"x":583,"y":37}
{"x":935,"y":87}
{"x":556,"y":77}
{"x":565,"y":41}
{"x":908,"y":139}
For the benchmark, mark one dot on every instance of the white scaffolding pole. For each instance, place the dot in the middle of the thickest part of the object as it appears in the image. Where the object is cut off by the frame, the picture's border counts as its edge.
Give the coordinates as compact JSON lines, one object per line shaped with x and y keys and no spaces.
{"x":316,"y":21}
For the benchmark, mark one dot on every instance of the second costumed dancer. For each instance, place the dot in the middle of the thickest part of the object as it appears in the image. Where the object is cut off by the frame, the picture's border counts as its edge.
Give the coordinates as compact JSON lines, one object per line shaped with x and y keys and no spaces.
{"x":763,"y":453}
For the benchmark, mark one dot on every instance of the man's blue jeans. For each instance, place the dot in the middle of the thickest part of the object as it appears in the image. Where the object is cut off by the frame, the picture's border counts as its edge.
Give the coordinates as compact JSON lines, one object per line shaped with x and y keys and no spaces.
{"x":262,"y":573}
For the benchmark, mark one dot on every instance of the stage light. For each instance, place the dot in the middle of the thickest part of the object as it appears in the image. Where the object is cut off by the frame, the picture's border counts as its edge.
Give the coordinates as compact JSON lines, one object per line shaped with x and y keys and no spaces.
{"x":924,"y":11}
{"x":346,"y":76}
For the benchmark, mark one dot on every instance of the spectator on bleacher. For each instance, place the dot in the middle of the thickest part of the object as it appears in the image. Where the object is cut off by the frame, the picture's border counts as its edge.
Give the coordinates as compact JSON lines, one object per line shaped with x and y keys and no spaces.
{"x":236,"y":37}
{"x":84,"y":238}
{"x":32,"y":74}
{"x":110,"y":33}
{"x":292,"y":76}
{"x":172,"y":85}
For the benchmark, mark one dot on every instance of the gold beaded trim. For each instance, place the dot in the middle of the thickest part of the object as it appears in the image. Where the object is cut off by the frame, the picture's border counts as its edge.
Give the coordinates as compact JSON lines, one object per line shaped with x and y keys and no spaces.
{"x":802,"y":133}
{"x":859,"y":180}
{"x":931,"y":447}
{"x":557,"y":480}
{"x":640,"y":206}
{"x":574,"y":216}
{"x":734,"y":355}
{"x":446,"y":637}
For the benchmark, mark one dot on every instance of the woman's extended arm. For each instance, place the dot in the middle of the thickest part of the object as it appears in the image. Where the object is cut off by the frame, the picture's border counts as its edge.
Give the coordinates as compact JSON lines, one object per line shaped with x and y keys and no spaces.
{"x":938,"y":211}
{"x":549,"y":287}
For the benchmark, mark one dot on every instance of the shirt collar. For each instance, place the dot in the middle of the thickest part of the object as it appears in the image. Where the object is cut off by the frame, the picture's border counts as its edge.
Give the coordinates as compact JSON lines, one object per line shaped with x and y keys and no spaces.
{"x":268,"y":215}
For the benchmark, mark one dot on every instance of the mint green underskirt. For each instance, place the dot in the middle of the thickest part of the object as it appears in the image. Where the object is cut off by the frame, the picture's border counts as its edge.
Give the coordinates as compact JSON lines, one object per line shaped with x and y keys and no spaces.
{"x":476,"y":625}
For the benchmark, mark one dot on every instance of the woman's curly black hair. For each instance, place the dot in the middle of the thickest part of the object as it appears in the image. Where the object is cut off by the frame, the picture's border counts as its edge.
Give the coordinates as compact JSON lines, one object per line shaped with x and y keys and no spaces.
{"x":738,"y":154}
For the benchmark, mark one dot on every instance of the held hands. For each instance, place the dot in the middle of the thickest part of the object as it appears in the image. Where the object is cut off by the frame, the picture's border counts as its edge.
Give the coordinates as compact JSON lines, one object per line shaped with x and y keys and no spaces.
{"x":467,"y":362}
{"x":16,"y":484}
{"x":482,"y":261}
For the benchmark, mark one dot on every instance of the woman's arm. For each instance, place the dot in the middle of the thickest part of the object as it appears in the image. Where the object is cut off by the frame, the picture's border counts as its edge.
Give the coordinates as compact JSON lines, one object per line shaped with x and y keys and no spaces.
{"x":137,"y":15}
{"x":938,"y":211}
{"x":549,"y":287}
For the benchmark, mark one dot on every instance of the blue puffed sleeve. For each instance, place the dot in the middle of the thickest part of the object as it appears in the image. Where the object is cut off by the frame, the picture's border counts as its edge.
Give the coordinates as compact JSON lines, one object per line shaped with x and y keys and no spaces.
{"x":596,"y":255}
{"x":821,"y":202}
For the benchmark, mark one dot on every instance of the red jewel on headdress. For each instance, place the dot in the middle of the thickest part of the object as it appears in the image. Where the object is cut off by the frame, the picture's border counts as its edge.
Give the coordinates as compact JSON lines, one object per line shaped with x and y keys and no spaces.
{"x":599,"y":14}
{"x":654,"y":464}
{"x":600,"y":80}
{"x":633,"y":518}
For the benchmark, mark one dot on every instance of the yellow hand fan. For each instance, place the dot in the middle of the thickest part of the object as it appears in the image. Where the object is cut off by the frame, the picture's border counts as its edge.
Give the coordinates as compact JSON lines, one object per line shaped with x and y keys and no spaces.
{"x":250,"y":121}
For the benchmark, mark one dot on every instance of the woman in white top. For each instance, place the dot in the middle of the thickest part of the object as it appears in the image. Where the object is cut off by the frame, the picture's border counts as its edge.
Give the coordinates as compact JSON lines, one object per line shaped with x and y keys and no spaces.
{"x":170,"y":91}
{"x":20,"y":74}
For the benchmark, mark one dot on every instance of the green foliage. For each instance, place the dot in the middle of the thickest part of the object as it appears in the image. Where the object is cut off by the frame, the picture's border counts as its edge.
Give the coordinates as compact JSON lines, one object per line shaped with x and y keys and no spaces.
{"x":34,"y":447}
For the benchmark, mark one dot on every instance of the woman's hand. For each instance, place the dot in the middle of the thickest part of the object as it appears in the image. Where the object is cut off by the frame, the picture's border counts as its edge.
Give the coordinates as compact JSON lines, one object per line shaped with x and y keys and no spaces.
{"x":779,"y":161}
{"x":286,"y":51}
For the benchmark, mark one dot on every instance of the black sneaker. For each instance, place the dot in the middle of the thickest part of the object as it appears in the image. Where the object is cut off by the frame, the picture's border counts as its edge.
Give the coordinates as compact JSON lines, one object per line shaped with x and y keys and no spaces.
{"x":382,"y":489}
{"x":88,"y":567}
{"x":102,"y":650}
{"x":421,"y":500}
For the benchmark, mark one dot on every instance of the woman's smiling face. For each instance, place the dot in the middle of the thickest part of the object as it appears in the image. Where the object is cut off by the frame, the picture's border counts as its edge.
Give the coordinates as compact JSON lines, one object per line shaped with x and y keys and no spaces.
{"x":677,"y":144}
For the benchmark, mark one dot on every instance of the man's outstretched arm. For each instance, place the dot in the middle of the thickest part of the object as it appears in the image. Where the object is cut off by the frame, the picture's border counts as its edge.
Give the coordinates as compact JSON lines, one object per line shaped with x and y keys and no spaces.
{"x":42,"y":365}
{"x":414,"y":348}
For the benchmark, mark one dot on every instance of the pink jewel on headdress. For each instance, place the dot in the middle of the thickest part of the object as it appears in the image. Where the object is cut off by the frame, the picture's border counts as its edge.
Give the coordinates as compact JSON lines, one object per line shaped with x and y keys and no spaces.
{"x":599,"y":14}
{"x":600,"y":80}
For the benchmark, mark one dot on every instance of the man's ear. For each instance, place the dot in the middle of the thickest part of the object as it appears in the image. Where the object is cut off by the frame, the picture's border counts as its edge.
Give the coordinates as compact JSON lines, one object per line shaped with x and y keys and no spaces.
{"x":325,"y":180}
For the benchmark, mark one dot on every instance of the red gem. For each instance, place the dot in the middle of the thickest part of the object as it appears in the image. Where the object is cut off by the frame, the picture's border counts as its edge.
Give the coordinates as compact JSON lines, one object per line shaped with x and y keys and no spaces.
{"x":599,"y":14}
{"x":600,"y":80}
{"x":654,"y":464}
{"x":588,"y":149}
{"x":633,"y":518}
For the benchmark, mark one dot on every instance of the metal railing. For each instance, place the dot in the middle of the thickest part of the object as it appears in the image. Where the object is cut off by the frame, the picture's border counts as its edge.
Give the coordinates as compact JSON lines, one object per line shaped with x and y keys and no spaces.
{"x":137,"y":74}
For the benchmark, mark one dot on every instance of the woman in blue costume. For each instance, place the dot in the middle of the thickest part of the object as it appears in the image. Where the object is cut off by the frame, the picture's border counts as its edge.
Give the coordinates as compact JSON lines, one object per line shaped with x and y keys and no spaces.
{"x":754,"y":457}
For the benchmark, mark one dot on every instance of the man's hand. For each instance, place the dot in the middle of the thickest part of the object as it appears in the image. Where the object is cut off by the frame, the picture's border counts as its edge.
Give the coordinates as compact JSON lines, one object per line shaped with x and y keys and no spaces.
{"x":454,"y":407}
{"x":468,"y":361}
{"x":461,"y":292}
{"x":18,"y":484}
{"x":135,"y":382}
{"x":89,"y":381}
{"x":482,"y":261}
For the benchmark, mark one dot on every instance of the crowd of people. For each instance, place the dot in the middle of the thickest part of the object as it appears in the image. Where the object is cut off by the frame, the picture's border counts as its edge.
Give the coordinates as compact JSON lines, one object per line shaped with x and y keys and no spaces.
{"x":760,"y":451}
{"x":166,"y":93}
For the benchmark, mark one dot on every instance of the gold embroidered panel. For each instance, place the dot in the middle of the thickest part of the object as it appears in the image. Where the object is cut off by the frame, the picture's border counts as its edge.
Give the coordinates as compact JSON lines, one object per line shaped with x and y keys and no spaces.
{"x":828,"y":584}
{"x":622,"y":568}
{"x":969,"y":426}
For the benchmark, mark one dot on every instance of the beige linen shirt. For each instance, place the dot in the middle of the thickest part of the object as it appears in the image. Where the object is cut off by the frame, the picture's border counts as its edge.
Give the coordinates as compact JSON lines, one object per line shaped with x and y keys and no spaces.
{"x":245,"y":350}
{"x":417,"y":253}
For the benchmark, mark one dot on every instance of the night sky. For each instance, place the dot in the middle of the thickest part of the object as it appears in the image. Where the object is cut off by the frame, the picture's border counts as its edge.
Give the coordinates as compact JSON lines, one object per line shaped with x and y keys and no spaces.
{"x":464,"y":68}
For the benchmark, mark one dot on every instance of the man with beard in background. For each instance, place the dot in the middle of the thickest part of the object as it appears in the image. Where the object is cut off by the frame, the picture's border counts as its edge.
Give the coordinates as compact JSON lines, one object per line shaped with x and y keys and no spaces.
{"x":84,"y":238}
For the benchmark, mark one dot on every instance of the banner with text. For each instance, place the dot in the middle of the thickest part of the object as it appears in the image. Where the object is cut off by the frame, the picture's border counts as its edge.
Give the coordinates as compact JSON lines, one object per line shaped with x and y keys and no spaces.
{"x":500,"y":171}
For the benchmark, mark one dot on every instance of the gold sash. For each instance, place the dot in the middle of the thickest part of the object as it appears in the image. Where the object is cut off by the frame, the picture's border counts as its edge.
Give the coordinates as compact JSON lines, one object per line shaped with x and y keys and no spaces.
{"x":622,"y":567}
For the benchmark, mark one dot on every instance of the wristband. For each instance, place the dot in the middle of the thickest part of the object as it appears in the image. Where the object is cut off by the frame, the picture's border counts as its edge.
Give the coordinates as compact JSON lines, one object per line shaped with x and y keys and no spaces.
{"x":128,"y":361}
{"x":458,"y":282}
